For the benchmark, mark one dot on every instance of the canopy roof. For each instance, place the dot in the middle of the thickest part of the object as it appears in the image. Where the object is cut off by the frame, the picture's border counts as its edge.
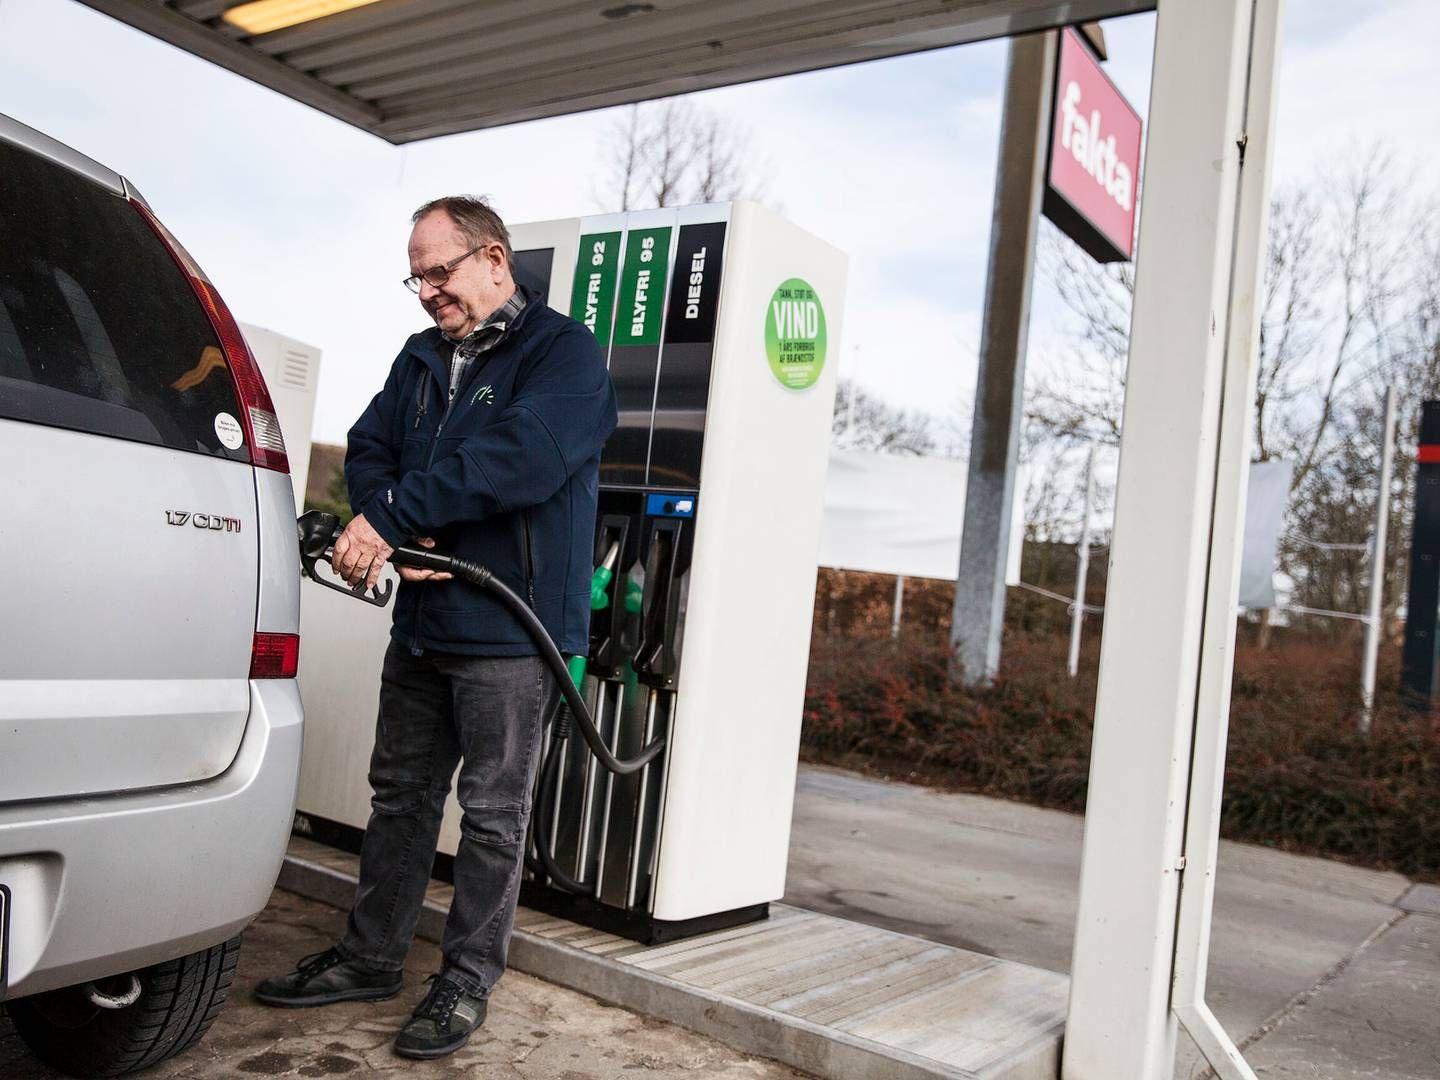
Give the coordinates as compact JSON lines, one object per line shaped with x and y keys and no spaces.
{"x":413,"y":69}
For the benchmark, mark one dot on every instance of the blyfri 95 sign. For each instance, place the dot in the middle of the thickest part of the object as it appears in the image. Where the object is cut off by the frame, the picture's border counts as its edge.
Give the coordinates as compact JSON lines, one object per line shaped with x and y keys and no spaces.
{"x":1094,"y":156}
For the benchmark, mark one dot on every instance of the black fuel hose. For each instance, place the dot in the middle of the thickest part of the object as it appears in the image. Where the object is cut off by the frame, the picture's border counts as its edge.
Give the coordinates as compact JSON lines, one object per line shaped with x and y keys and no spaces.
{"x":545,"y":807}
{"x":481,"y":577}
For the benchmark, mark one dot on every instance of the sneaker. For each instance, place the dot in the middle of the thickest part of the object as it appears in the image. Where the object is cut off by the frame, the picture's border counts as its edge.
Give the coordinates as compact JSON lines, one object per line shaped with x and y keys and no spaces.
{"x":325,"y":978}
{"x":443,"y":1022}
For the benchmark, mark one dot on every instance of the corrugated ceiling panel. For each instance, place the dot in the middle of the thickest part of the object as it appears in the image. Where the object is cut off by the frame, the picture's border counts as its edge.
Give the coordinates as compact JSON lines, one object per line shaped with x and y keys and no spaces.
{"x":203,"y":9}
{"x":528,"y":45}
{"x":562,"y":58}
{"x":374,"y":19}
{"x":492,"y":30}
{"x":487,"y":39}
{"x":408,"y":69}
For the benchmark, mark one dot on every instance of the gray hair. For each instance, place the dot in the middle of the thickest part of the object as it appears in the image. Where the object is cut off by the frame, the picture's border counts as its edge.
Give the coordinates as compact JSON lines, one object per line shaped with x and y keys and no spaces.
{"x":475,"y":219}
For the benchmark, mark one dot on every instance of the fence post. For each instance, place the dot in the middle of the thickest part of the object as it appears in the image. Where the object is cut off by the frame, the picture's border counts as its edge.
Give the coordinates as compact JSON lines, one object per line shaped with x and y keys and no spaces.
{"x":1082,"y":569}
{"x":1377,"y":565}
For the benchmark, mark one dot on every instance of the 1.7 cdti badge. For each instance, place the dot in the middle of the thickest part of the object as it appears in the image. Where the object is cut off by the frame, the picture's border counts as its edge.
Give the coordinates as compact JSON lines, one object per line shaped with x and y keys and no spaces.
{"x":203,"y":521}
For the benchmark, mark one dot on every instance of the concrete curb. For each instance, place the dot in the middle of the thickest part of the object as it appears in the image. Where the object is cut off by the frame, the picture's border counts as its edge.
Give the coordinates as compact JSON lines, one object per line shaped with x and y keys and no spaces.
{"x":825,"y":1052}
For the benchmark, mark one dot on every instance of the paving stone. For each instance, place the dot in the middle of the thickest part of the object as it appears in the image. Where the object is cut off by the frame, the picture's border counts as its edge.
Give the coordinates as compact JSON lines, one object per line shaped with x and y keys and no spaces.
{"x":534,"y":1031}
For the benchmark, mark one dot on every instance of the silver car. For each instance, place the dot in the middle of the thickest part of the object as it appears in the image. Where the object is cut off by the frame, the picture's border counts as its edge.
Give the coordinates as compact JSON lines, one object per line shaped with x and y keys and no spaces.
{"x":150,"y":724}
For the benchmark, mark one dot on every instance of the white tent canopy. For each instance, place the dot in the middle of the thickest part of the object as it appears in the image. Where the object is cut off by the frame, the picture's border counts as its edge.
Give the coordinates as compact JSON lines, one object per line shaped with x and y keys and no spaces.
{"x":892,"y":514}
{"x":901,"y":514}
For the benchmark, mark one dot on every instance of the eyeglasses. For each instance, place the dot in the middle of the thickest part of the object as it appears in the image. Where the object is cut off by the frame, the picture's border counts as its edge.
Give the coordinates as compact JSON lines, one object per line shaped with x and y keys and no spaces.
{"x":436,"y":276}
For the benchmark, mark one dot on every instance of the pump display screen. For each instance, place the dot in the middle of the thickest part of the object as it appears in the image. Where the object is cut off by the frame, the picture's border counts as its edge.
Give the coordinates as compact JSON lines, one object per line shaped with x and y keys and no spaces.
{"x":534,"y":268}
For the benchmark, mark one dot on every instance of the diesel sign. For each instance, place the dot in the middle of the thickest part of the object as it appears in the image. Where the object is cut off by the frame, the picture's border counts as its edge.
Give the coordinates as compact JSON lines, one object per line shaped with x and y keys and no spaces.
{"x":695,"y":286}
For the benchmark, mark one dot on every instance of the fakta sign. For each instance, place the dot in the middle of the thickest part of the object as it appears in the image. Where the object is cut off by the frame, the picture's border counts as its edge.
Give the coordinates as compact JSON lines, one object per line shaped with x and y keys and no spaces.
{"x":1094,"y":155}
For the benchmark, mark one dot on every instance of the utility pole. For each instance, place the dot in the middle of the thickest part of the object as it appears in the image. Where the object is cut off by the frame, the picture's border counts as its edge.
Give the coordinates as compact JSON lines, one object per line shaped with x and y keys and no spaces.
{"x":1373,"y":624}
{"x":1082,"y":569}
{"x":979,"y":611}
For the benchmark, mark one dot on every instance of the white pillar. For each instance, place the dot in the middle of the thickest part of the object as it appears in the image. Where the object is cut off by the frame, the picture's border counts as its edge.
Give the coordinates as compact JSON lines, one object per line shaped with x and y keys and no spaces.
{"x":899,"y":605}
{"x":1082,"y":565}
{"x":1378,"y":538}
{"x":1178,"y":523}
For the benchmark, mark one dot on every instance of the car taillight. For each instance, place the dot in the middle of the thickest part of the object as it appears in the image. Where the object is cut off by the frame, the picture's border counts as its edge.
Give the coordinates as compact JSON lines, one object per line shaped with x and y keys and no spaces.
{"x":257,"y":411}
{"x":275,"y":656}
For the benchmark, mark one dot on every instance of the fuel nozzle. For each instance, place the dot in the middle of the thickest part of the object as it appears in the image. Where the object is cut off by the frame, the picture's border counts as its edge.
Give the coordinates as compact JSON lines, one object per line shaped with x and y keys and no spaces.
{"x":610,"y":635}
{"x":657,"y":658}
{"x":318,"y":532}
{"x":600,"y":580}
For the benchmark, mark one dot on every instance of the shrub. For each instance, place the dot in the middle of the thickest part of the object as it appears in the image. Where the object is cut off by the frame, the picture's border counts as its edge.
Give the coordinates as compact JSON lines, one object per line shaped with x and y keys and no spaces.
{"x":1298,"y":774}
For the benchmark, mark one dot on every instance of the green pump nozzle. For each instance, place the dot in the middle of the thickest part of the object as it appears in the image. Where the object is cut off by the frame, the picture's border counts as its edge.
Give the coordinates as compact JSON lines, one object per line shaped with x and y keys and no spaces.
{"x":600,"y":580}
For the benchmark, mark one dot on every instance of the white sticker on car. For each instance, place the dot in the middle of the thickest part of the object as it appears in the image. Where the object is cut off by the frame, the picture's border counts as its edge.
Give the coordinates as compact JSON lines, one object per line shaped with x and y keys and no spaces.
{"x":228,"y":430}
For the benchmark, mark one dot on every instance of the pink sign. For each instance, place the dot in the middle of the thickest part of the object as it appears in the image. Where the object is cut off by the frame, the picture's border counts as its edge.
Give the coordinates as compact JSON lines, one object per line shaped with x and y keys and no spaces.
{"x":1094,"y":155}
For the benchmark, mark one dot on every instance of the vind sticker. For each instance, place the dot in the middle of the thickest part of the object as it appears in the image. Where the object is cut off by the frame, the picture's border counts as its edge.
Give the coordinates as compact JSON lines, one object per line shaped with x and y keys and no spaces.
{"x":795,"y":334}
{"x":228,"y":431}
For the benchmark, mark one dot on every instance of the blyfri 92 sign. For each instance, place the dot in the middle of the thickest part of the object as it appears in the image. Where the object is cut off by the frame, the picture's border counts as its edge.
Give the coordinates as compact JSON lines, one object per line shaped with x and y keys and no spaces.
{"x":1094,"y":156}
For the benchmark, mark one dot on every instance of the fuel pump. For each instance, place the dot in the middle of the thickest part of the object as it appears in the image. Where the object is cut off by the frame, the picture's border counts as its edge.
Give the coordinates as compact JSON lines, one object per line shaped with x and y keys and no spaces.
{"x":705,"y":542}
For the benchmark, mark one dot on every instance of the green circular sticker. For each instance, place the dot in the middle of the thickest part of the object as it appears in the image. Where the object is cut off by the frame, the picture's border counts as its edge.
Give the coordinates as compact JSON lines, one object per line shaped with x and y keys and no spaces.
{"x":795,"y":334}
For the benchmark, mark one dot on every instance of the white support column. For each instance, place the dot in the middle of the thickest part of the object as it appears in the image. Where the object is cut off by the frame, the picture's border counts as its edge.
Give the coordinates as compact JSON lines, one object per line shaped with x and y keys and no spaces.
{"x":1378,"y":538}
{"x":1232,"y":475}
{"x":1082,"y":565}
{"x":898,"y":607}
{"x":1177,"y":534}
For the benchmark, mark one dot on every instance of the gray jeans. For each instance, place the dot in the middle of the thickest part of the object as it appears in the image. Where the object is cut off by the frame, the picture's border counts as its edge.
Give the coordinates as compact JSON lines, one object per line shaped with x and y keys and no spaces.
{"x":486,"y":714}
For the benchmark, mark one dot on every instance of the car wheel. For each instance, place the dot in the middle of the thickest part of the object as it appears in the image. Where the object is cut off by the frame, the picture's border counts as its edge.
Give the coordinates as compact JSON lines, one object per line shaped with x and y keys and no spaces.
{"x":11,"y":1048}
{"x":178,"y":1002}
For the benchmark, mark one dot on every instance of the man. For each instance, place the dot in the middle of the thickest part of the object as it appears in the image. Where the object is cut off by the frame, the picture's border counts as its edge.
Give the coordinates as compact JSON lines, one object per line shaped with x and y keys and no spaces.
{"x":485,"y":442}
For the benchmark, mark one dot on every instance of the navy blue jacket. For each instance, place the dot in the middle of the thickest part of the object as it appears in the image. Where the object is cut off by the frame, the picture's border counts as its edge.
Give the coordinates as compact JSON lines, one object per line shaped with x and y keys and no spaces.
{"x":508,"y":479}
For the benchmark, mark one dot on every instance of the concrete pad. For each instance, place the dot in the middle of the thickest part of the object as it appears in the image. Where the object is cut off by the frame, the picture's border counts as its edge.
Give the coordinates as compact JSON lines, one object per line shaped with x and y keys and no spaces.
{"x":1001,"y":878}
{"x":534,"y":1031}
{"x":1421,"y":900}
{"x":1379,"y":1018}
{"x":833,"y":997}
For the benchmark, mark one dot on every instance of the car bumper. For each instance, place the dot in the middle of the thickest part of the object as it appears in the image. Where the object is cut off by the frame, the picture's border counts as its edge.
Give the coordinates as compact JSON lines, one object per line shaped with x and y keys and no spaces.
{"x":110,"y":884}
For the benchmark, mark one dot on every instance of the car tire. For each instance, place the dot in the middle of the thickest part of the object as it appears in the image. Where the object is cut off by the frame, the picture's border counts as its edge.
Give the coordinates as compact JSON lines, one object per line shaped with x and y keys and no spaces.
{"x":178,"y":1002}
{"x":12,"y":1049}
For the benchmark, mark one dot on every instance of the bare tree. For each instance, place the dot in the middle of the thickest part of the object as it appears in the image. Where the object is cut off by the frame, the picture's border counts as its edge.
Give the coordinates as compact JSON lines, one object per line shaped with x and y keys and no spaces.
{"x":673,"y":152}
{"x":1351,"y":302}
{"x":865,"y":421}
{"x":625,"y":158}
{"x":1346,"y":255}
{"x":717,"y":160}
{"x":1083,"y":401}
{"x":1333,"y":265}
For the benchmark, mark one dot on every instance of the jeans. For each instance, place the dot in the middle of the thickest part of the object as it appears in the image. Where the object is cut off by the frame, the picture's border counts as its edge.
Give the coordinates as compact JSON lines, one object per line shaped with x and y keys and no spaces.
{"x":485,"y":713}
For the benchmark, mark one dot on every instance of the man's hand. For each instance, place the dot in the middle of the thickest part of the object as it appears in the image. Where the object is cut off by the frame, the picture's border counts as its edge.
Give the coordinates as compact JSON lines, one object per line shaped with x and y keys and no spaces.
{"x":411,"y":573}
{"x":360,"y":553}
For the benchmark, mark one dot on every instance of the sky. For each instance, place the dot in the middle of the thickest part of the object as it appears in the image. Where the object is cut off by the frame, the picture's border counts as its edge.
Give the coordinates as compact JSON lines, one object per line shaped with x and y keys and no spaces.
{"x":301,"y":220}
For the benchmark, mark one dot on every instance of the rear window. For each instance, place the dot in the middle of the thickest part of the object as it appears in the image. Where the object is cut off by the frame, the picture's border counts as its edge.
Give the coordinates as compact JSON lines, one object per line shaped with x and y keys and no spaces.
{"x":99,"y":330}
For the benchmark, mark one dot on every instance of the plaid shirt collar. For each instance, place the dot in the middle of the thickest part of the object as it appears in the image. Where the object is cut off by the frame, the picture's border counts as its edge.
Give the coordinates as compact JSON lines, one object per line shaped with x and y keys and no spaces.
{"x":482,"y":339}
